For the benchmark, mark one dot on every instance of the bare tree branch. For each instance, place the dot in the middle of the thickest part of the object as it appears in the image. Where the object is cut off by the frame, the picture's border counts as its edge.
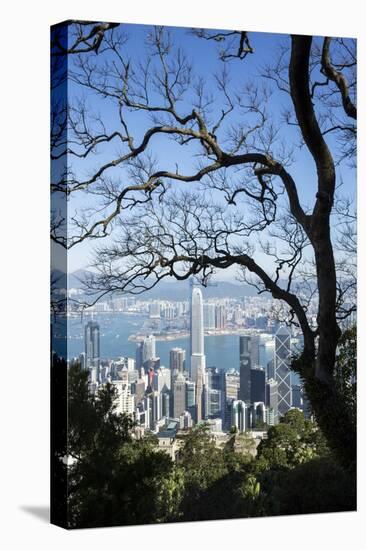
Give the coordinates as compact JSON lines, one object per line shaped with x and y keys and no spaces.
{"x":338,"y":78}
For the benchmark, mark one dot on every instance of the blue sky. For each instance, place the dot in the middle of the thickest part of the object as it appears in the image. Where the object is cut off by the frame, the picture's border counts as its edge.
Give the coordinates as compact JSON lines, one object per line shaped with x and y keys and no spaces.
{"x":204,"y":58}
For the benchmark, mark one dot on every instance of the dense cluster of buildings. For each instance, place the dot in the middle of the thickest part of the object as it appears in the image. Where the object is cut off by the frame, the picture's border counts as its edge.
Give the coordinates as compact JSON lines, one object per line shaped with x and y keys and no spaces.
{"x":219,"y":314}
{"x":164,"y":399}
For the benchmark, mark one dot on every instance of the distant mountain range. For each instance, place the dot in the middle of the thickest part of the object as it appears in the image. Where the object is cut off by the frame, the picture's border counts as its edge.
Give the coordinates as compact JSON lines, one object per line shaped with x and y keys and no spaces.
{"x":180,"y":291}
{"x":173,"y":290}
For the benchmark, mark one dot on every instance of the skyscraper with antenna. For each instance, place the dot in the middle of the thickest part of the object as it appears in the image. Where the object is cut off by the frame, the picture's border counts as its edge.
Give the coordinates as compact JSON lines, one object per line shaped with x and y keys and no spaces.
{"x":198,"y":358}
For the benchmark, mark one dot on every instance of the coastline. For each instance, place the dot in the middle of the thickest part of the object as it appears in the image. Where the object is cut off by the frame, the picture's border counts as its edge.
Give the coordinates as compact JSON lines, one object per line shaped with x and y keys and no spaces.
{"x":185,"y":334}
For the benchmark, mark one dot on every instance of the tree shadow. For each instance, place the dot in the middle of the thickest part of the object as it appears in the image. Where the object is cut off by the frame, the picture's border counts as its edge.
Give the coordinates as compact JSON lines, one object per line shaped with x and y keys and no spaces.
{"x":40,"y":512}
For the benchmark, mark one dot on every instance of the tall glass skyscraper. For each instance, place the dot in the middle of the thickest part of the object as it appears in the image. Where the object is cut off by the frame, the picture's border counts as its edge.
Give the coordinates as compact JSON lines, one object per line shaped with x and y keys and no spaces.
{"x":191,"y":397}
{"x":92,"y":345}
{"x":272,"y":399}
{"x":179,"y":396}
{"x":282,"y":369}
{"x":198,"y":359}
{"x":92,"y":351}
{"x":257,"y":385}
{"x":248,"y":357}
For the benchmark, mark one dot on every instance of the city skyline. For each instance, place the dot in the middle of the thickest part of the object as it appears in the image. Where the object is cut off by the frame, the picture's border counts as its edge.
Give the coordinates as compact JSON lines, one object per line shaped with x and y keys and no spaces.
{"x":157,"y":395}
{"x":202,"y":399}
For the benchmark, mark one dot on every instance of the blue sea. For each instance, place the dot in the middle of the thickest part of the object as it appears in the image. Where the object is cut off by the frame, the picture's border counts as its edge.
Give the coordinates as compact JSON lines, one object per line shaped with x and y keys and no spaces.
{"x":221,"y":351}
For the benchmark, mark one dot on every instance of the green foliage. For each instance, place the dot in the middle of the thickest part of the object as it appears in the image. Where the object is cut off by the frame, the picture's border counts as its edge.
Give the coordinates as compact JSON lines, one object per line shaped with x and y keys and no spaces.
{"x":319,"y":485}
{"x":260,"y":426}
{"x":334,"y":405}
{"x":292,"y":442}
{"x":239,"y":449}
{"x":116,"y":479}
{"x":93,"y":423}
{"x":294,"y":418}
{"x":171,"y":496}
{"x":346,"y":368}
{"x":202,"y":464}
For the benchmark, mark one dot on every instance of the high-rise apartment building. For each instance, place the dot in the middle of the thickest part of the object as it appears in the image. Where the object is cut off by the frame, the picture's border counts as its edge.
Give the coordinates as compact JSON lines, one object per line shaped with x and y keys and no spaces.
{"x":209,"y":316}
{"x":220,"y":317}
{"x":154,"y":310}
{"x":124,"y":399}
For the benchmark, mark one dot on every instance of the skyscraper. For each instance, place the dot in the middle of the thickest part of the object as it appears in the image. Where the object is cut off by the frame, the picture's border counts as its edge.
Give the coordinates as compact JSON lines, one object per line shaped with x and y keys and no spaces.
{"x":271,"y":369}
{"x":198,"y":359}
{"x":124,"y":399}
{"x":153,"y":364}
{"x":282,"y":369}
{"x":257,"y":385}
{"x":138,"y":390}
{"x":165,"y":403}
{"x":255,"y":350}
{"x":272,"y":398}
{"x":162,"y":379}
{"x":191,"y":397}
{"x":217,"y":381}
{"x":216,"y":378}
{"x":156,"y":406}
{"x":148,"y":348}
{"x":92,"y":347}
{"x":245,"y":349}
{"x":249,"y":357}
{"x":214,"y":403}
{"x":139,"y":354}
{"x":179,"y":396}
{"x":177,"y":359}
{"x":232,"y":384}
{"x":220,"y":317}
